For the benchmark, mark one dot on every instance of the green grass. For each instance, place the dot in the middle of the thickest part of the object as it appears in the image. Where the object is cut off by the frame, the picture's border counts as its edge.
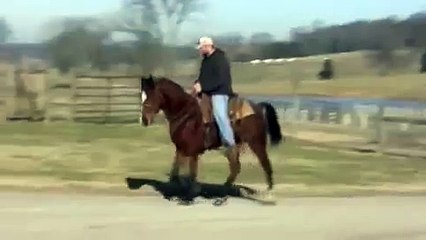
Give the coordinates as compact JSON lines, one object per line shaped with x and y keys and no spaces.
{"x":355,"y":77}
{"x":109,"y":153}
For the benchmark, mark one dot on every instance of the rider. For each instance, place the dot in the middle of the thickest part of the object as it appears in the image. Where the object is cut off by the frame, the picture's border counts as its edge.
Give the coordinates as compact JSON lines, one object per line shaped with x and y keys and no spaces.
{"x":215,"y":81}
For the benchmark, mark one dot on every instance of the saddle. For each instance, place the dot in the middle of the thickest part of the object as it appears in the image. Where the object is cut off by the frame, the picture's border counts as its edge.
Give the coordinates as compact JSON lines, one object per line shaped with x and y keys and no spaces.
{"x":238,"y":108}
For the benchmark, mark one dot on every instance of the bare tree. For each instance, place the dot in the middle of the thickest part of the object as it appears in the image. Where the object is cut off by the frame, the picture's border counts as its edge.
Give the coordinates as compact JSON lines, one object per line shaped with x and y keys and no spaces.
{"x":164,"y":18}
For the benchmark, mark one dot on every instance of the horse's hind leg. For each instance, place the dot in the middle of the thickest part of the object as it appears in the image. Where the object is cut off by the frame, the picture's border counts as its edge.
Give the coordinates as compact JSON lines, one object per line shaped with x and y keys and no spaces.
{"x":259,"y":149}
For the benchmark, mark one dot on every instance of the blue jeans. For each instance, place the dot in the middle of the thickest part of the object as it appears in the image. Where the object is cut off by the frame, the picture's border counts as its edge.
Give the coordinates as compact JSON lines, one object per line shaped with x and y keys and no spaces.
{"x":221,"y":115}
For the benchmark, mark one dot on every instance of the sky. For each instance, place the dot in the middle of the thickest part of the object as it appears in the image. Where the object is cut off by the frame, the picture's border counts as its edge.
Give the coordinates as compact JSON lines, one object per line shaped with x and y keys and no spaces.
{"x":28,"y":17}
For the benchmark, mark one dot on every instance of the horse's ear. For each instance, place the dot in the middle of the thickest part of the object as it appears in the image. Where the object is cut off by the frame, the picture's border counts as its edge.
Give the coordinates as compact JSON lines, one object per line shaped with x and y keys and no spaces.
{"x":147,"y":83}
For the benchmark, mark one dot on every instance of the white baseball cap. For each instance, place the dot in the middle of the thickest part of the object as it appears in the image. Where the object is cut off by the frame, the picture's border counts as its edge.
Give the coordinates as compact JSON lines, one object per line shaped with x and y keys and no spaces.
{"x":205,"y":41}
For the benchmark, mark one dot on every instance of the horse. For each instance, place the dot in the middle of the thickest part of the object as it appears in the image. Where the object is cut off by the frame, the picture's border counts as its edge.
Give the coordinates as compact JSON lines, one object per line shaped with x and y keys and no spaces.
{"x":186,"y":128}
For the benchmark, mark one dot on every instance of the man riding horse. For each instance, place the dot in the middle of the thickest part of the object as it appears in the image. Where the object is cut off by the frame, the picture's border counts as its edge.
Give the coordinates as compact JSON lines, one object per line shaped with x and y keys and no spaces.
{"x":188,"y":118}
{"x":215,"y":81}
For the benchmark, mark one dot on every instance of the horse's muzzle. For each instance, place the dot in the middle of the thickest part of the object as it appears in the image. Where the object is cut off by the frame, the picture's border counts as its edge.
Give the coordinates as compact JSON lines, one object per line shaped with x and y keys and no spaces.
{"x":146,"y":121}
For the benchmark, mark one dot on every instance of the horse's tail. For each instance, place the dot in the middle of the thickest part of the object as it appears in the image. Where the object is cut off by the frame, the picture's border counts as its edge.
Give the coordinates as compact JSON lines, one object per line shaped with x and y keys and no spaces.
{"x":272,"y":124}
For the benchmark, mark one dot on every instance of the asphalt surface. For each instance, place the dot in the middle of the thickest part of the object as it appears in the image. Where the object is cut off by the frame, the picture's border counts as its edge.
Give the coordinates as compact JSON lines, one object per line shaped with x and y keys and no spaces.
{"x":70,"y":216}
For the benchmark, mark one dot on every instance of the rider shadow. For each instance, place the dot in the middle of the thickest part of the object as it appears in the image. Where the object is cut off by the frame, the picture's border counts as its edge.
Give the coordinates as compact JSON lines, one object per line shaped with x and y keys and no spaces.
{"x":170,"y":190}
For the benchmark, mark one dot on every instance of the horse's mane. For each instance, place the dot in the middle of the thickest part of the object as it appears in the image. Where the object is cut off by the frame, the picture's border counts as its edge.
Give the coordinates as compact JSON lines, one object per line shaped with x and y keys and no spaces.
{"x":176,"y":99}
{"x":163,"y":82}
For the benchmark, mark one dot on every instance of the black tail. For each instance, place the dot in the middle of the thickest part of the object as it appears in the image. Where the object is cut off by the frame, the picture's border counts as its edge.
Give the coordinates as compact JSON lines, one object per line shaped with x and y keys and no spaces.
{"x":273,"y":126}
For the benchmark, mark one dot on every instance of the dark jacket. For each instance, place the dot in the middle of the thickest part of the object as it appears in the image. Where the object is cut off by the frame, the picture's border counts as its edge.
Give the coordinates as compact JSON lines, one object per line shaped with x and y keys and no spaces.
{"x":215,"y":74}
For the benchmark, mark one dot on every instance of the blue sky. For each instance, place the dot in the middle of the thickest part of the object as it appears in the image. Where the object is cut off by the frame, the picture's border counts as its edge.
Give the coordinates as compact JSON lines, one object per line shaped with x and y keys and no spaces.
{"x":246,"y":16}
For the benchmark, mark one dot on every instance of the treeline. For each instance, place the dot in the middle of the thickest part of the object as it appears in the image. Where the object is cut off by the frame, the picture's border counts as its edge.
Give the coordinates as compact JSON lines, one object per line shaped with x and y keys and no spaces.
{"x":389,"y":33}
{"x":383,"y":36}
{"x":82,"y":47}
{"x":79,"y":47}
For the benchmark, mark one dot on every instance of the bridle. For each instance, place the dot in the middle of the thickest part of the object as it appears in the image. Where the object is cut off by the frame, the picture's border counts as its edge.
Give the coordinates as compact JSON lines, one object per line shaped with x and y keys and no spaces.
{"x":178,"y":119}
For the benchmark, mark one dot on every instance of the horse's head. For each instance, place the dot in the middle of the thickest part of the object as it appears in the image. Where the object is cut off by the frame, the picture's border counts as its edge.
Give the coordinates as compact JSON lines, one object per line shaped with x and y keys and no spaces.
{"x":162,"y":94}
{"x":152,"y":99}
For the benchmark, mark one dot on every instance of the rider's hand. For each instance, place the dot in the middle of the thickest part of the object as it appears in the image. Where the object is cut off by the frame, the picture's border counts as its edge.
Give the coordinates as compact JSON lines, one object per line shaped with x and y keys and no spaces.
{"x":197,"y":87}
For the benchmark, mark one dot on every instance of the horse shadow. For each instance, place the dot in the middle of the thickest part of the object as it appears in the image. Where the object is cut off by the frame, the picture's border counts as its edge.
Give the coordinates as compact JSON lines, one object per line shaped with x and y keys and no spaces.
{"x":173,"y":190}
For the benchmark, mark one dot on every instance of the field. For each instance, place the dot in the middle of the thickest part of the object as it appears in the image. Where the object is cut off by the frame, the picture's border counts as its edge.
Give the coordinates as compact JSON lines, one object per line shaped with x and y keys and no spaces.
{"x":85,"y":156}
{"x":99,"y":157}
{"x":355,"y":77}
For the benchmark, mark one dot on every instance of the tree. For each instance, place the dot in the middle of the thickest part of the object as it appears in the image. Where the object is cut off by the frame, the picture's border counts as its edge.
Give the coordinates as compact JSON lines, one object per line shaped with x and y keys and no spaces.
{"x":232,"y":39}
{"x":387,"y":41}
{"x":162,"y":20}
{"x":280,"y":50}
{"x":262,"y":38}
{"x":77,"y":47}
{"x":5,"y":31}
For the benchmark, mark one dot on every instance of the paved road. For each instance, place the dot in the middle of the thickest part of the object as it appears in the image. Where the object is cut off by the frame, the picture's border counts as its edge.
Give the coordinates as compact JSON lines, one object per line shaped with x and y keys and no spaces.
{"x":51,"y":216}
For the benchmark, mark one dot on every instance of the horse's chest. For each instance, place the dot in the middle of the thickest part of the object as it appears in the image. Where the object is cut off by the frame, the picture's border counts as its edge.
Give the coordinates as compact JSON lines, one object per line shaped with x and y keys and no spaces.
{"x":188,"y":135}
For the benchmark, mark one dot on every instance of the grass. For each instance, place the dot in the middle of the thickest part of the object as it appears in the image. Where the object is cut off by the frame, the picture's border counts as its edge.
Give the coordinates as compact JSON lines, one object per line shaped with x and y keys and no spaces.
{"x":84,"y":153}
{"x":401,"y":87}
{"x":355,"y":77}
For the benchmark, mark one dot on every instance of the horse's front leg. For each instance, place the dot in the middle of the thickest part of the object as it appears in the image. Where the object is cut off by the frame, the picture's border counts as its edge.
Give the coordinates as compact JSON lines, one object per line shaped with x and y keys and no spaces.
{"x":194,"y":187}
{"x":174,"y":176}
{"x":233,"y":156}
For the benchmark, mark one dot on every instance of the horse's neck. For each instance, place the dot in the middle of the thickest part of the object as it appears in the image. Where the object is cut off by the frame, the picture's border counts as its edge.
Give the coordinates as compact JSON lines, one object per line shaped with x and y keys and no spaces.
{"x":177,"y":107}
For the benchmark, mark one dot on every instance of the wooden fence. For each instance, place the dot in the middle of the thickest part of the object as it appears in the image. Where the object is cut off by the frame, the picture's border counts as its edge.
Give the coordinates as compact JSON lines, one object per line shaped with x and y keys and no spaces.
{"x":6,"y":76}
{"x":103,"y":99}
{"x":30,"y":95}
{"x":394,"y":130}
{"x":22,"y":93}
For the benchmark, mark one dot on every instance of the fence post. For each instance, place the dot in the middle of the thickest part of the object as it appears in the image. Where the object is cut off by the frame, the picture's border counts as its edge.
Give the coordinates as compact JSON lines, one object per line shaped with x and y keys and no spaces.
{"x":108,"y":106}
{"x":74,"y":96}
{"x":140,"y":102}
{"x":379,"y":135}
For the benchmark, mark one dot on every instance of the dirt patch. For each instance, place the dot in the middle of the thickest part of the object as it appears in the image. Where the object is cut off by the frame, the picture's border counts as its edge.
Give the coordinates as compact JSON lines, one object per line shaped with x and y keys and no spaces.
{"x":322,"y":137}
{"x":40,"y":184}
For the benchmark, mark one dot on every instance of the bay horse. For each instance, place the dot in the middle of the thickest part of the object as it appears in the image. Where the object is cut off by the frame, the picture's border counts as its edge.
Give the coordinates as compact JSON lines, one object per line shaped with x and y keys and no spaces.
{"x":186,"y":128}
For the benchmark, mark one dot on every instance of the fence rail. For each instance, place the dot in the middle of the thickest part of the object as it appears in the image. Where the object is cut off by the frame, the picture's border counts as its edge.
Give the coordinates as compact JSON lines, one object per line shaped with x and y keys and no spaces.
{"x":101,"y":99}
{"x":415,"y":121}
{"x":377,"y":127}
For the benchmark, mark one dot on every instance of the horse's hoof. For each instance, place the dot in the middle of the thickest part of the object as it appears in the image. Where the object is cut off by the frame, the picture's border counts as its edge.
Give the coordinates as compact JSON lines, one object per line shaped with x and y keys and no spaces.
{"x":196,"y":188}
{"x":267,"y":198}
{"x":220,"y":201}
{"x":260,"y":197}
{"x":185,"y":203}
{"x":174,"y":180}
{"x":132,"y":184}
{"x":172,"y":199}
{"x":229,"y":185}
